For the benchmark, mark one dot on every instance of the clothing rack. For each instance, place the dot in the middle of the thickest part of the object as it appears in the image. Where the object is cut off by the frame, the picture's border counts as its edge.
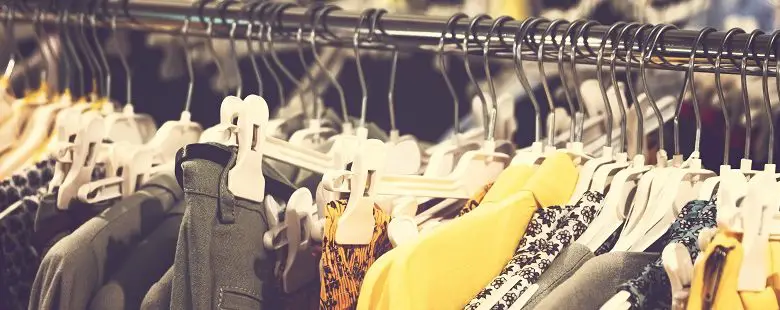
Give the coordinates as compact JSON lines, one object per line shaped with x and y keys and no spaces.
{"x":405,"y":32}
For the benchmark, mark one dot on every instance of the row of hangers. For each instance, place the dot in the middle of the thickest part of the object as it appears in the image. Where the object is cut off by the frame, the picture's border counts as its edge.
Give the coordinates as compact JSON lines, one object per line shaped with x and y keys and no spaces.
{"x":462,"y":165}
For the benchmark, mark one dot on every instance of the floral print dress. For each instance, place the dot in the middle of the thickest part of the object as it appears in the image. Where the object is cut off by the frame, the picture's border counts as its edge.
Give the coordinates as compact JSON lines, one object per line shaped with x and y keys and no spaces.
{"x":551,"y":229}
{"x":651,"y":289}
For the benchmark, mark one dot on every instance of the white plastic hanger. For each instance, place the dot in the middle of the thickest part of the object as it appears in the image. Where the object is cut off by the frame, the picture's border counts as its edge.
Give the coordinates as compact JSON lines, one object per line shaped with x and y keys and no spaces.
{"x":709,"y":188}
{"x":356,"y":225}
{"x":746,"y":164}
{"x":131,"y":167}
{"x":535,"y":154}
{"x":245,"y":179}
{"x":443,"y":156}
{"x":173,"y":135}
{"x":474,"y":170}
{"x":625,"y":181}
{"x":78,"y":157}
{"x":123,"y":125}
{"x":408,"y":160}
{"x":294,"y":235}
{"x":679,"y":183}
{"x":761,"y":203}
{"x":314,"y":134}
{"x":342,"y":151}
{"x":574,"y":148}
{"x":589,"y":168}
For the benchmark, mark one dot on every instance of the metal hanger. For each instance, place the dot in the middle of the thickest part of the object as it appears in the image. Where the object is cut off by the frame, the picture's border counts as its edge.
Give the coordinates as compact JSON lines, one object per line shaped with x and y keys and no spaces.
{"x":573,"y":148}
{"x":176,"y":134}
{"x":405,"y":156}
{"x":534,"y":154}
{"x":91,"y":60}
{"x":680,"y":183}
{"x":624,"y":182}
{"x":347,"y":125}
{"x":444,"y":156}
{"x":550,"y":104}
{"x":760,"y":207}
{"x":727,"y":175}
{"x":650,"y":182}
{"x":580,"y":116}
{"x":222,"y":7}
{"x":474,"y":170}
{"x":248,"y":8}
{"x":746,"y":164}
{"x":314,"y":134}
{"x":607,"y":159}
{"x":604,"y":175}
{"x":261,"y":10}
{"x":270,"y":32}
{"x":342,"y":152}
{"x":209,"y":25}
{"x":573,"y":111}
{"x":124,"y":125}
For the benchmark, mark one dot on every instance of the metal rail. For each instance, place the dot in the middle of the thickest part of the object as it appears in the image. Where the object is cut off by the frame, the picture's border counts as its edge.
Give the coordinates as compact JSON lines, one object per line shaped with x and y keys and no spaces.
{"x":410,"y":32}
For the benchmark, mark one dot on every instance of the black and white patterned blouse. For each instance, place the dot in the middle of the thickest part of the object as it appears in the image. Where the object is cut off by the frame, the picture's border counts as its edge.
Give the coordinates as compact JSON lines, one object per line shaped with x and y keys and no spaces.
{"x":651,"y":289}
{"x":21,"y":247}
{"x":550,"y":230}
{"x":26,"y":183}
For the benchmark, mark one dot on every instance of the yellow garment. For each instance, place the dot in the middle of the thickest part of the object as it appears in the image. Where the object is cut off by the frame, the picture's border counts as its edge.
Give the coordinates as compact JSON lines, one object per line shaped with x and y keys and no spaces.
{"x":509,"y":182}
{"x":727,"y":296}
{"x":447,"y":267}
{"x":517,"y":9}
{"x":372,"y":295}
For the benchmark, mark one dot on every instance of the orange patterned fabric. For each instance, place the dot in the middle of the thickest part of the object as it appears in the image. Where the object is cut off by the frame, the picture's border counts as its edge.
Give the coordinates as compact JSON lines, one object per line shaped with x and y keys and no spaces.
{"x":472,"y":203}
{"x":343,"y":267}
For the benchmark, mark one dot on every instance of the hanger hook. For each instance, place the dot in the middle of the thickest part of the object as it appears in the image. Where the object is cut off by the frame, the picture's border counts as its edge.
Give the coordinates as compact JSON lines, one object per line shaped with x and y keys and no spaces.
{"x":721,"y":97}
{"x":517,"y":50}
{"x":767,"y":104}
{"x":44,"y":44}
{"x":100,"y":51}
{"x":646,"y":54}
{"x":638,"y":107}
{"x":356,"y":44}
{"x":449,"y":28}
{"x":619,"y":93}
{"x":745,"y":98}
{"x":540,"y":62}
{"x":72,"y":47}
{"x":261,"y":33}
{"x":188,"y":59}
{"x":123,"y":60}
{"x":470,"y":32}
{"x":271,"y":24}
{"x":222,"y":8}
{"x":495,"y":29}
{"x":299,"y":40}
{"x":209,"y":25}
{"x":691,"y":82}
{"x":313,"y":39}
{"x":377,"y":29}
{"x":16,"y":55}
{"x":248,"y":8}
{"x":568,"y":33}
{"x":600,"y":77}
{"x":92,"y":62}
{"x":577,"y":81}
